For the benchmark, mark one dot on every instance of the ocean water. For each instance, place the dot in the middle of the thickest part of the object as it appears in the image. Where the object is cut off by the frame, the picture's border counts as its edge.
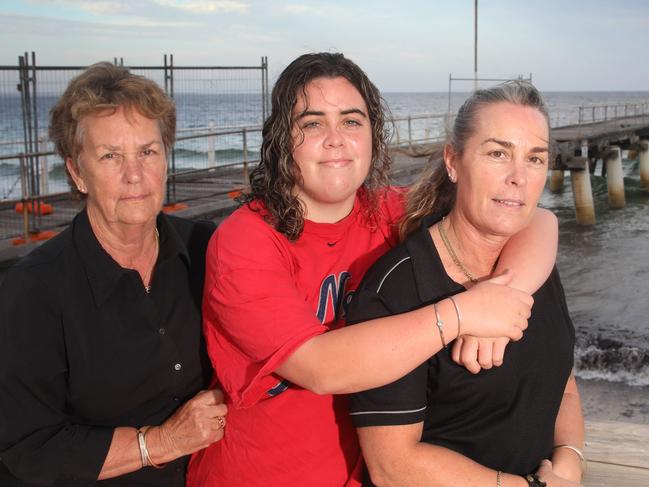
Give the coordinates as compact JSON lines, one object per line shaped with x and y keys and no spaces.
{"x":605,"y":268}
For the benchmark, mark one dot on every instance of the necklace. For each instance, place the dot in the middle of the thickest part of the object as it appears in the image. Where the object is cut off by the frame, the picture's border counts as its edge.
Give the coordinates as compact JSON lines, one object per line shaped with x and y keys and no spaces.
{"x":147,"y":287}
{"x":456,"y":260}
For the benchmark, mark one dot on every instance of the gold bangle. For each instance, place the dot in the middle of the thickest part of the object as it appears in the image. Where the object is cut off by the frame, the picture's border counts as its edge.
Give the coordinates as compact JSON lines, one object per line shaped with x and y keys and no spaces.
{"x":146,"y":452}
{"x":578,"y":452}
{"x":142,"y":445}
{"x":440,"y":325}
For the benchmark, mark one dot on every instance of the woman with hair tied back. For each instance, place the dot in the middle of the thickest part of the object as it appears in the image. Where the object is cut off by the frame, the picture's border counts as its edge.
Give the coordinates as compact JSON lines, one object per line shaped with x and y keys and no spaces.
{"x":516,"y":425}
{"x":102,"y":362}
{"x":280,"y":272}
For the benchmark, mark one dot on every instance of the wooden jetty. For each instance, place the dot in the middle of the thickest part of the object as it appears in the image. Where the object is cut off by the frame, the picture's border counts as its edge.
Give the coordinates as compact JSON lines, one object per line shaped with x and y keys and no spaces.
{"x":617,"y":455}
{"x":581,"y":146}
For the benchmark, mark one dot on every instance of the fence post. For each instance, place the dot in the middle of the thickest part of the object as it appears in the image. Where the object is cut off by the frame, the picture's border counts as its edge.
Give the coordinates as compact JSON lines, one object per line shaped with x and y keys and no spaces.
{"x":45,"y":175}
{"x":593,"y":114}
{"x":24,"y":185}
{"x":245,"y":157}
{"x":211,"y":156}
{"x":581,"y":115}
{"x":409,"y":132}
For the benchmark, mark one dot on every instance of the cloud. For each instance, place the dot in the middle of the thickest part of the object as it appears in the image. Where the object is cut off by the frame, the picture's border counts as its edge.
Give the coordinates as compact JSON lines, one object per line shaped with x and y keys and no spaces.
{"x":150,"y":7}
{"x":207,"y":6}
{"x":327,"y":10}
{"x":295,"y":9}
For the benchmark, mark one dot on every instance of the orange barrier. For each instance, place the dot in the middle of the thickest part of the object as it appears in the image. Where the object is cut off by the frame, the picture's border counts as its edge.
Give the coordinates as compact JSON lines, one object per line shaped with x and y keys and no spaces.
{"x":41,"y":208}
{"x":34,"y":237}
{"x":174,"y":207}
{"x":234,"y":193}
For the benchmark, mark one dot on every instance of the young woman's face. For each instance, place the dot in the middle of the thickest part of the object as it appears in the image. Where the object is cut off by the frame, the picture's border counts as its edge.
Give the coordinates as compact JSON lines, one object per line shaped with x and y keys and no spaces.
{"x":332,"y":140}
{"x":502,"y":171}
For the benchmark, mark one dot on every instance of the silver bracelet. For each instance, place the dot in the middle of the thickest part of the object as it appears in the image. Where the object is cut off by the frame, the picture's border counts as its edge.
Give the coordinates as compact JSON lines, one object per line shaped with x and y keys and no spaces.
{"x":578,"y":452}
{"x":142,"y":444}
{"x":457,"y":312}
{"x":440,"y":325}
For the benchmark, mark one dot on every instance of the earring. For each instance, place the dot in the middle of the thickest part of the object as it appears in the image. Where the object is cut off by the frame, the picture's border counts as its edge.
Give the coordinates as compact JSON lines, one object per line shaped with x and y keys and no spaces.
{"x":451,"y":177}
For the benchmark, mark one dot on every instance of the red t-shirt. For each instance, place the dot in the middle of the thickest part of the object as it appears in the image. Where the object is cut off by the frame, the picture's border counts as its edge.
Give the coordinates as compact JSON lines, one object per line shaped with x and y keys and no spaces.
{"x":264,"y":297}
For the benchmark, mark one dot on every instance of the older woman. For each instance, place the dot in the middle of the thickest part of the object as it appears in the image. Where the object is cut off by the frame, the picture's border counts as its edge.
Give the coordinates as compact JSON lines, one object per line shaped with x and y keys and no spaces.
{"x":101,"y":361}
{"x":439,"y":425}
{"x":281,"y":271}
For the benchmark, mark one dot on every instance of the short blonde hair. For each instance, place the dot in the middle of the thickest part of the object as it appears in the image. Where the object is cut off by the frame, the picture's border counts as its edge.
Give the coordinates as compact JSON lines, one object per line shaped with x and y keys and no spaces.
{"x":104,"y":86}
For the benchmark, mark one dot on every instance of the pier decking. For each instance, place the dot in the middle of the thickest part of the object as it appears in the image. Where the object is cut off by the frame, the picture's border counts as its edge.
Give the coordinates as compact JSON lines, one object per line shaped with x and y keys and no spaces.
{"x":617,"y":455}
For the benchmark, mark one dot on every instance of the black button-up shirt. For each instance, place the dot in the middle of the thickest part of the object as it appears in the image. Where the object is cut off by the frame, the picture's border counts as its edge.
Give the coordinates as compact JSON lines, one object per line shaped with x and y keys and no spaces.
{"x":84,"y":349}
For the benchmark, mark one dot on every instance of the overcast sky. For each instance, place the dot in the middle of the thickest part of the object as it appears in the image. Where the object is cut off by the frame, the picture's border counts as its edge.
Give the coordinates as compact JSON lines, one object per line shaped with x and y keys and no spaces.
{"x":568,"y":45}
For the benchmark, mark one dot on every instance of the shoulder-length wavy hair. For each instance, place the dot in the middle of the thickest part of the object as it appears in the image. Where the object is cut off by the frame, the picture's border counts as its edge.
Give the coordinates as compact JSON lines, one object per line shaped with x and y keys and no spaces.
{"x":273,"y":180}
{"x":434,"y":192}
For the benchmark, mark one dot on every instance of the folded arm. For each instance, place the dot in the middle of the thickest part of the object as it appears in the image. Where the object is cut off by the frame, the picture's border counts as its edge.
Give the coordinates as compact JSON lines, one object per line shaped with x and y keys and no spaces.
{"x":395,"y":456}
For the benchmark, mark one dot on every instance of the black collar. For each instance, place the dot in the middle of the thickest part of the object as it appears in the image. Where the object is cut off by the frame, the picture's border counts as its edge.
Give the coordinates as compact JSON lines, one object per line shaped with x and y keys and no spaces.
{"x":426,"y":261}
{"x":102,"y":270}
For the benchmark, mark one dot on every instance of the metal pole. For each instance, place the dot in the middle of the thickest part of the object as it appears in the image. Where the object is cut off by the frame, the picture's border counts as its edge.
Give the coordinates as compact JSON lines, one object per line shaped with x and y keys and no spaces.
{"x":173,"y":152}
{"x":450,"y":77}
{"x":23,"y":181}
{"x":245,"y":158}
{"x":166,"y":82}
{"x":267,"y":88}
{"x":263,"y":91}
{"x":39,"y":202}
{"x":475,"y":46}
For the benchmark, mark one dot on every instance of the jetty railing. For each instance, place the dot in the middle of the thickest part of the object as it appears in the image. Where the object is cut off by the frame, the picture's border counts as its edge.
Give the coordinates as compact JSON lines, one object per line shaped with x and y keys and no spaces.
{"x":603,"y":113}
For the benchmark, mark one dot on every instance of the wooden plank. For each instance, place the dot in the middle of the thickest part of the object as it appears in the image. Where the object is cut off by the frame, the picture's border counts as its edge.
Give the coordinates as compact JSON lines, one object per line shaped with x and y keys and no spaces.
{"x":606,"y":475}
{"x":623,"y":444}
{"x":617,"y":454}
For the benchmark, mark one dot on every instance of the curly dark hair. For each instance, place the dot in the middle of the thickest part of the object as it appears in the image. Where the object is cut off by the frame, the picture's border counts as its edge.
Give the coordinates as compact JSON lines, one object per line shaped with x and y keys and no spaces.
{"x":273,"y":180}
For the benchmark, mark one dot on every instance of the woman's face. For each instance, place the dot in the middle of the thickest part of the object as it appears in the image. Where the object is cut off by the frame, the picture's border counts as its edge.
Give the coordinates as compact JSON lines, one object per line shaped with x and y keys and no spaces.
{"x":332,"y":139}
{"x":502,"y":172}
{"x":122,"y":167}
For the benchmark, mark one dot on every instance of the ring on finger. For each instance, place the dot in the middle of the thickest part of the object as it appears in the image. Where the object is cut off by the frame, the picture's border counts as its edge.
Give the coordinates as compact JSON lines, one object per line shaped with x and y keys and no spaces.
{"x":221,"y":421}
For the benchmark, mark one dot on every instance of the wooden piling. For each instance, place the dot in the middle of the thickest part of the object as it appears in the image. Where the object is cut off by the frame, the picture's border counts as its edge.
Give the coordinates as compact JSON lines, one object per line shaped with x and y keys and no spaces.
{"x":643,"y":157}
{"x":581,"y":189}
{"x":614,"y":176}
{"x":583,"y":195}
{"x":556,"y":180}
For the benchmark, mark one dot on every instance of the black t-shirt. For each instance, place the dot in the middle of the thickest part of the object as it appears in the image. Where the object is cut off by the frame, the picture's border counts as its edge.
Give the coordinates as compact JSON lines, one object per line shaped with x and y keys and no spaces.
{"x":502,"y":418}
{"x":84,"y":349}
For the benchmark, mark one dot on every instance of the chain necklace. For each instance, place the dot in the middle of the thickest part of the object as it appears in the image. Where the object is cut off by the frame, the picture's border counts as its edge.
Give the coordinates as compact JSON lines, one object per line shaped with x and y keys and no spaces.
{"x":456,"y":260}
{"x":147,"y":288}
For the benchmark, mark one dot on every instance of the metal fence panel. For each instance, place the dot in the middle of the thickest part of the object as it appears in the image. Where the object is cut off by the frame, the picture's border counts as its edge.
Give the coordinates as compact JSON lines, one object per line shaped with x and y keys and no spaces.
{"x":219,"y":109}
